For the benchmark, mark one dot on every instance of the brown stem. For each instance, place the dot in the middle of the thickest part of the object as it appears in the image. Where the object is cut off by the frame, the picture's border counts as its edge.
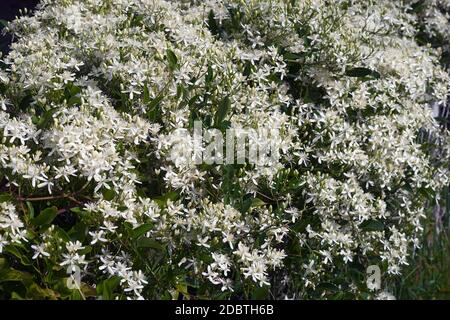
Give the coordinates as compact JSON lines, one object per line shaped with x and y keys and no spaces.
{"x":69,"y":196}
{"x":75,"y":200}
{"x":42,"y":198}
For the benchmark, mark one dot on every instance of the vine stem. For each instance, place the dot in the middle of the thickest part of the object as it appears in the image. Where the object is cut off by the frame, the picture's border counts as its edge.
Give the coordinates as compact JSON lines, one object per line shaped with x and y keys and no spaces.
{"x":70,"y":196}
{"x":42,"y":198}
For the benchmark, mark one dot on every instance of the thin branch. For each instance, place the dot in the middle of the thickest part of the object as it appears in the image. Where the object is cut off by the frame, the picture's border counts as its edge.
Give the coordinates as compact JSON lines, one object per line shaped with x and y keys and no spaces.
{"x":42,"y":198}
{"x":70,"y":196}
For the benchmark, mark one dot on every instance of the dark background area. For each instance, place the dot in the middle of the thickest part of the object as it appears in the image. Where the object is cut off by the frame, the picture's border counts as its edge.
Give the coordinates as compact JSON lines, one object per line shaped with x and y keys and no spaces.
{"x":9,"y":9}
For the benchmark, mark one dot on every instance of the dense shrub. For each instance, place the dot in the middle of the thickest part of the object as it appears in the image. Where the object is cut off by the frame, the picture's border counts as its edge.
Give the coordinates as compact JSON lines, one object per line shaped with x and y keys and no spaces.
{"x":99,"y":101}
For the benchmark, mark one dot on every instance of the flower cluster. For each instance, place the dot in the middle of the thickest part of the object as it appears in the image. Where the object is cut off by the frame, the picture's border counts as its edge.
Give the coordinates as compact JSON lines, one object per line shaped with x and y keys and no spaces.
{"x":98,"y":105}
{"x":12,"y":228}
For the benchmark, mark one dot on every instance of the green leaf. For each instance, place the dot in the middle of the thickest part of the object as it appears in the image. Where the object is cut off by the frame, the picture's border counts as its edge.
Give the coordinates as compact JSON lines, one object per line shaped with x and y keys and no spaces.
{"x":46,"y":118}
{"x":212,"y":24}
{"x":3,"y":263}
{"x":209,"y":75}
{"x":78,"y":232}
{"x":162,"y":201}
{"x":146,"y":96}
{"x":224,"y":107}
{"x":10,"y":274}
{"x":260,"y":293}
{"x":62,"y":234}
{"x":86,"y":250}
{"x":182,"y":288}
{"x":13,"y":250}
{"x":45,"y":217}
{"x":16,"y":296}
{"x":74,"y":90}
{"x":192,"y":101}
{"x":74,"y":100}
{"x":35,"y":292}
{"x":75,"y":295}
{"x":361,"y":72}
{"x":154,"y":103}
{"x":372,"y":225}
{"x":5,"y":197}
{"x":247,"y":69}
{"x":172,"y":59}
{"x":181,"y":91}
{"x":153,"y":112}
{"x":106,"y":288}
{"x":291,"y":57}
{"x":225,"y":125}
{"x":252,"y":203}
{"x":108,"y":194}
{"x":75,"y":210}
{"x":30,"y":210}
{"x":256,"y":202}
{"x":141,"y":230}
{"x":418,"y":7}
{"x":149,"y":243}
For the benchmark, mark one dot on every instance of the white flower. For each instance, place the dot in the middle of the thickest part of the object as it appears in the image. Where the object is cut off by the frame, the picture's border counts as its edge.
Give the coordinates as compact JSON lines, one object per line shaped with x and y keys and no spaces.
{"x":212,"y":275}
{"x":108,"y":226}
{"x":222,"y":262}
{"x":102,"y":116}
{"x":73,"y":259}
{"x":97,"y":236}
{"x":3,"y":103}
{"x":203,"y":241}
{"x":65,"y":172}
{"x":257,"y":271}
{"x":73,"y":247}
{"x":3,"y":242}
{"x":39,"y":251}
